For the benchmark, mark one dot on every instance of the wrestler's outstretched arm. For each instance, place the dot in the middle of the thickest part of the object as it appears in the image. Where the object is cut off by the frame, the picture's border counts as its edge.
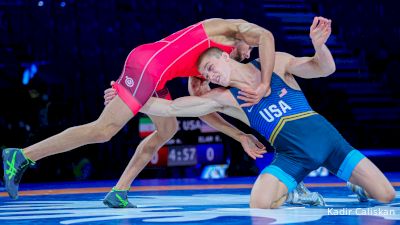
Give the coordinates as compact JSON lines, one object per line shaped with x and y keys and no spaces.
{"x":198,"y":87}
{"x":194,"y":106}
{"x":188,"y":106}
{"x":322,"y":63}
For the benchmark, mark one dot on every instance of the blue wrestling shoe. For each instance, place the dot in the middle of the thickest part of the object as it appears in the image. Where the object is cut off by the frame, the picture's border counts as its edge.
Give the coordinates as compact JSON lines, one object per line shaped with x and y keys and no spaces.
{"x":359,"y":191}
{"x":14,"y":164}
{"x":118,"y":199}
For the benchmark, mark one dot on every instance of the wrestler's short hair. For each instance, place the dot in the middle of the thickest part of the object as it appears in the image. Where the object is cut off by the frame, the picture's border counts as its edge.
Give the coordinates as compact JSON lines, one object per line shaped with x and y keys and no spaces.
{"x":213,"y":51}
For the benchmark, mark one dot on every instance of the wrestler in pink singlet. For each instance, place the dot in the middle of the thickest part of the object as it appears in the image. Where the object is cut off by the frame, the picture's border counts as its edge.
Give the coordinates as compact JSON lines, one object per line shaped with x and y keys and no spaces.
{"x":148,"y":67}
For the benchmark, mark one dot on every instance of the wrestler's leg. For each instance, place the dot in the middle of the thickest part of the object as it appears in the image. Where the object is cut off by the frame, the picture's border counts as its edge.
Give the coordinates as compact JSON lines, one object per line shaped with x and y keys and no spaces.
{"x":114,"y":116}
{"x":376,"y":185}
{"x":366,"y":180}
{"x":268,"y":192}
{"x":16,"y":161}
{"x":166,"y":128}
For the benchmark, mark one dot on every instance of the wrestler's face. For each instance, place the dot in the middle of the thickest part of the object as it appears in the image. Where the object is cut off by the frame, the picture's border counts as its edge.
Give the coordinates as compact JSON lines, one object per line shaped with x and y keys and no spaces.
{"x":216,"y":69}
{"x":241,"y":52}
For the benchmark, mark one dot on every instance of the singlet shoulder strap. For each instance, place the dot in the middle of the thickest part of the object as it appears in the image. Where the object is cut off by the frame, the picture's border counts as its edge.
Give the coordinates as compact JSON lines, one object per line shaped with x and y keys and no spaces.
{"x":256,"y":63}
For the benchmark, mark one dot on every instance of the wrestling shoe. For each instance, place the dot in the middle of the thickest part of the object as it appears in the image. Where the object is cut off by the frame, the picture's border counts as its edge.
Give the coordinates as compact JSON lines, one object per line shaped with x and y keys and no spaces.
{"x":312,"y":199}
{"x":118,"y":199}
{"x":14,"y":164}
{"x":302,"y":189}
{"x":359,"y":191}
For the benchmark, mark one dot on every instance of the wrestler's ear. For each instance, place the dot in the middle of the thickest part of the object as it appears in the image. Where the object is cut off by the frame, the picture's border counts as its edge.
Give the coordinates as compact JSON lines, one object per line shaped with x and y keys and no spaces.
{"x":225,"y":56}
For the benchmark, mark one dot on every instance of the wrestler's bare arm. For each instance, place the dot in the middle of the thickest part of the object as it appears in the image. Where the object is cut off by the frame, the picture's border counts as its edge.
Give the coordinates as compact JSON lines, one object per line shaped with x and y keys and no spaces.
{"x":198,"y":87}
{"x":307,"y":67}
{"x":253,"y":35}
{"x":194,"y":106}
{"x":189,"y":106}
{"x":264,"y":40}
{"x":322,"y":63}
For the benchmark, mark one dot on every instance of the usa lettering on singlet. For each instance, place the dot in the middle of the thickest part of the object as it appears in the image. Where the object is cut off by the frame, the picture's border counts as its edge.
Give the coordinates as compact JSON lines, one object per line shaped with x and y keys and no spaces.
{"x":284,"y":104}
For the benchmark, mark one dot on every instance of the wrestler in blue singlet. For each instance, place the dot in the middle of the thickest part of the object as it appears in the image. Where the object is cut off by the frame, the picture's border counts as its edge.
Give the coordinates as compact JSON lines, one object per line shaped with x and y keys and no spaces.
{"x":303,"y":139}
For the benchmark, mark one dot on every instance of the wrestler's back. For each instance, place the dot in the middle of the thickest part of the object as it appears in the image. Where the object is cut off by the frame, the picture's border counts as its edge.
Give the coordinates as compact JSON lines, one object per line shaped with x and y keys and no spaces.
{"x":173,"y":56}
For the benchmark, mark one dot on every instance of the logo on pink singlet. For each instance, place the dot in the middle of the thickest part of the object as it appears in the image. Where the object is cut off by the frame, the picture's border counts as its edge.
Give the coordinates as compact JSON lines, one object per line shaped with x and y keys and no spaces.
{"x":129,"y":81}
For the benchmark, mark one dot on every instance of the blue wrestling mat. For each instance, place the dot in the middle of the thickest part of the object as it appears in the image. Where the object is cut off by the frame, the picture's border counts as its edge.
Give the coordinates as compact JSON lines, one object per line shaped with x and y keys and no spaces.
{"x":189,"y":201}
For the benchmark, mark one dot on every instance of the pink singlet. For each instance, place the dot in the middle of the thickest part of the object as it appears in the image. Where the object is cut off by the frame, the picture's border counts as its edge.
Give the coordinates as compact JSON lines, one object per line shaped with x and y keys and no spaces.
{"x":148,"y":67}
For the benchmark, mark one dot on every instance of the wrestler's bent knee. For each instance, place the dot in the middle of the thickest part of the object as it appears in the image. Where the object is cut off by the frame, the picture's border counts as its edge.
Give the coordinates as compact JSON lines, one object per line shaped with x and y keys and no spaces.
{"x":387,"y":195}
{"x":168,"y":129}
{"x":259,"y":204}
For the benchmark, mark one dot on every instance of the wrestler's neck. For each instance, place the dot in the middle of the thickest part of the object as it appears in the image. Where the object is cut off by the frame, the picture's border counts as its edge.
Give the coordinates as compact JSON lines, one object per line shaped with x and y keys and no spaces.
{"x":244,"y":76}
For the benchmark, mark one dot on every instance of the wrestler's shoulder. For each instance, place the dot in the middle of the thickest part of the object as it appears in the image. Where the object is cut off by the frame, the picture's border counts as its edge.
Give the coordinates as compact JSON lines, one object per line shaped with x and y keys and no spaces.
{"x":221,"y":21}
{"x":218,"y":26}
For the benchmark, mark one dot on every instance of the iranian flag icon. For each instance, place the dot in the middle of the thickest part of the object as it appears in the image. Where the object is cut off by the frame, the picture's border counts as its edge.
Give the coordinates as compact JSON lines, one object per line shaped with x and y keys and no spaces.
{"x":146,"y":127}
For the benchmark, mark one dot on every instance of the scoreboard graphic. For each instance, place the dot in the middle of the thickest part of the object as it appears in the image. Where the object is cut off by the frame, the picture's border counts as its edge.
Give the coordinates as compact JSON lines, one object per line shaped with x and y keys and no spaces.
{"x":195,"y":143}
